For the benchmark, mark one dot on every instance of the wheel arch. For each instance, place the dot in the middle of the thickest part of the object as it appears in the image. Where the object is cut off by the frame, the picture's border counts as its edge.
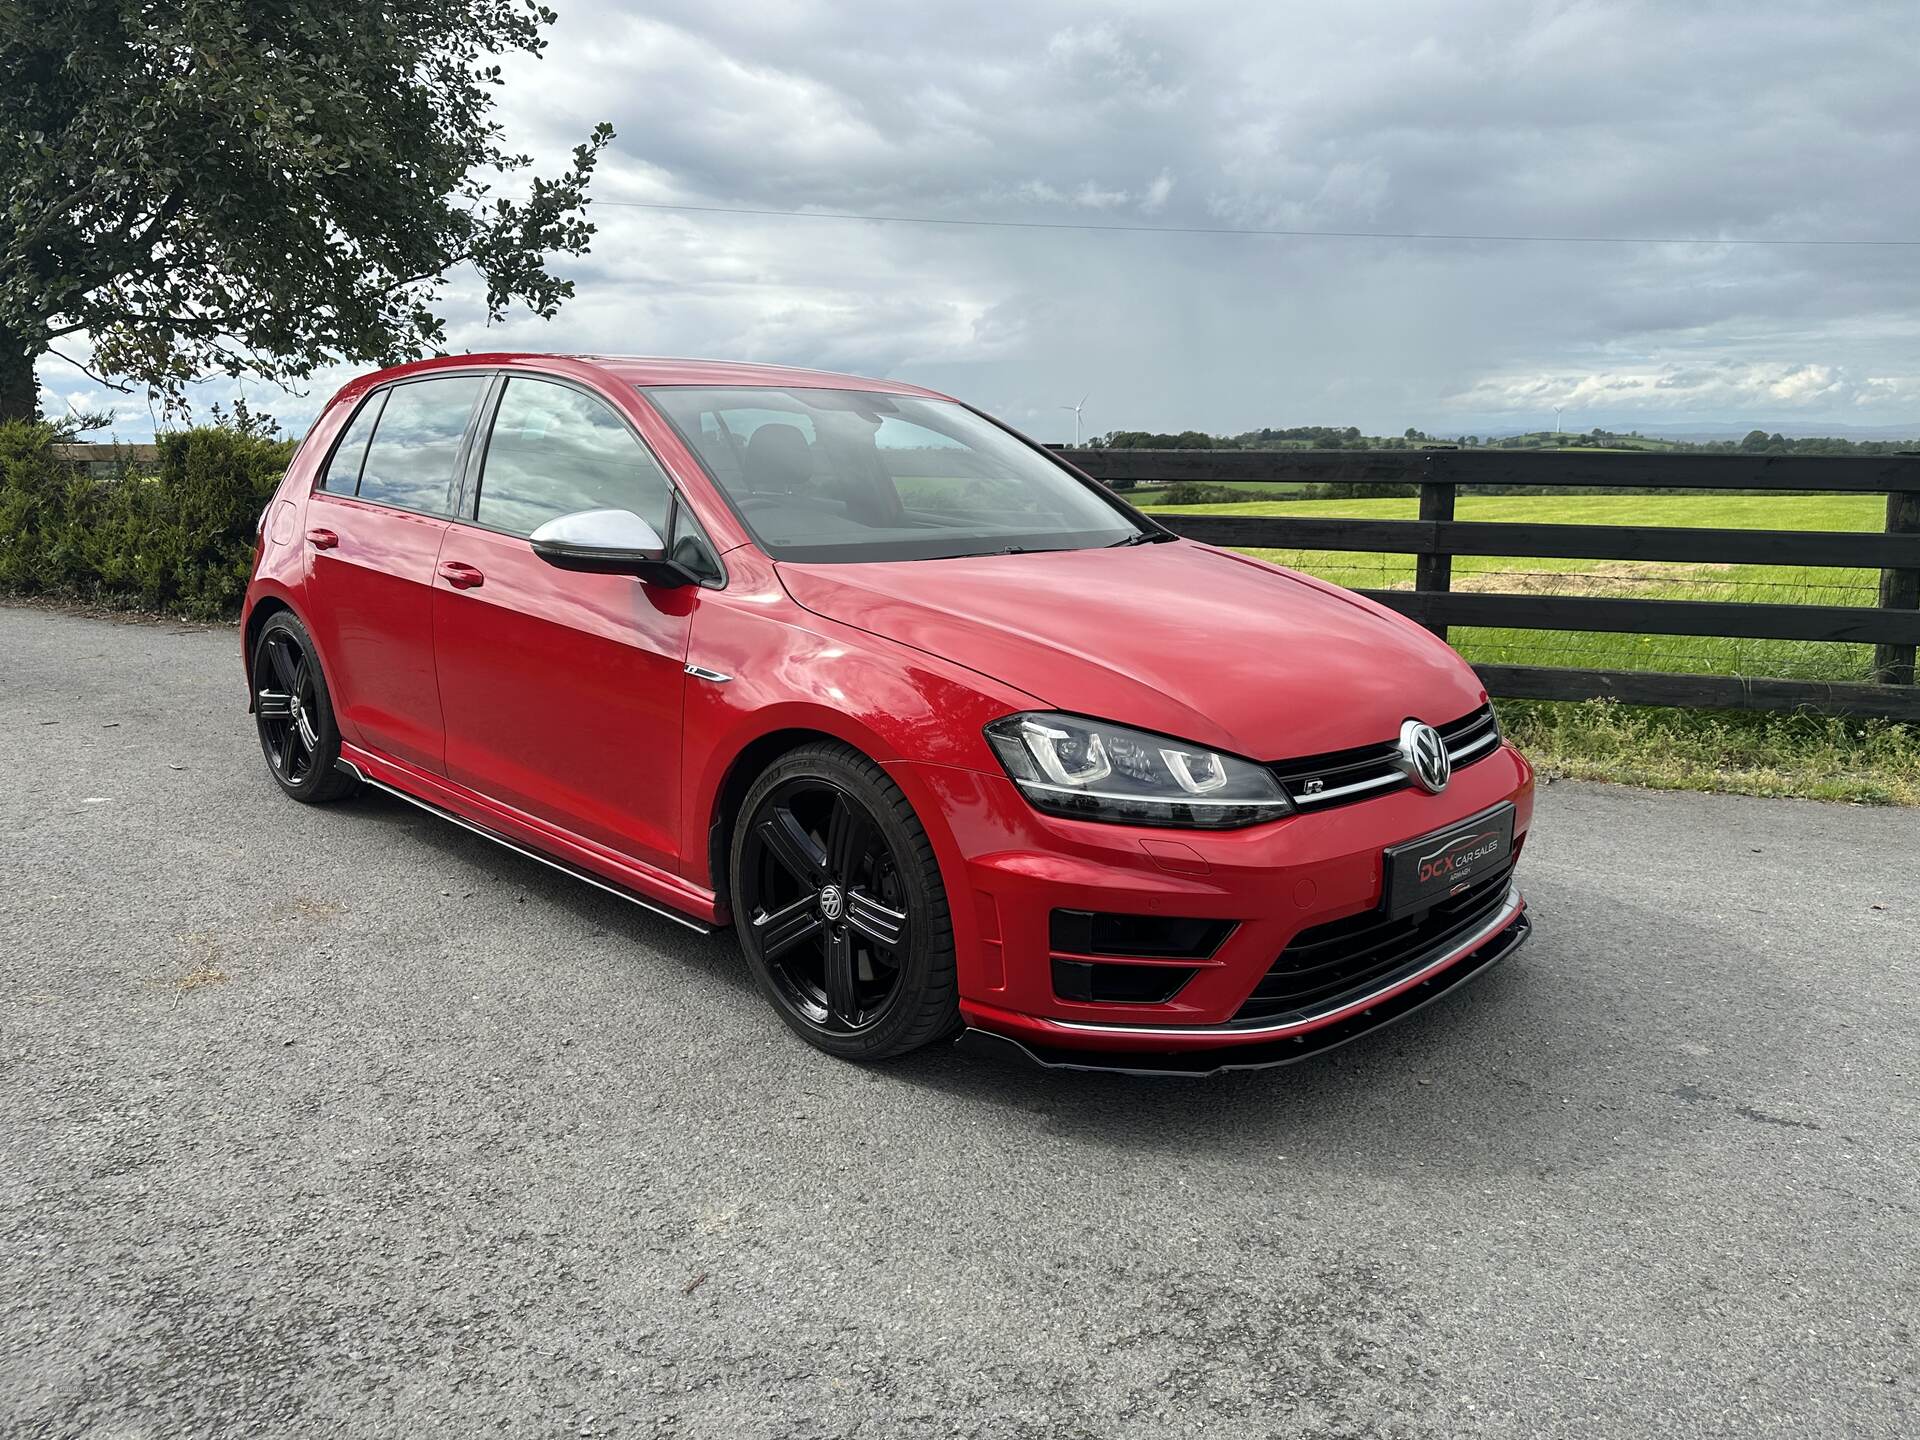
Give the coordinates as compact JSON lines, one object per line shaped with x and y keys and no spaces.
{"x":263,"y":609}
{"x":742,"y":770}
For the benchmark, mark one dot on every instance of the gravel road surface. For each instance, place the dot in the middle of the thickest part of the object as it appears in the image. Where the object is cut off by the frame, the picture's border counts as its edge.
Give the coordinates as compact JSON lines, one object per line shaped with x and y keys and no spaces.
{"x":343,"y":1121}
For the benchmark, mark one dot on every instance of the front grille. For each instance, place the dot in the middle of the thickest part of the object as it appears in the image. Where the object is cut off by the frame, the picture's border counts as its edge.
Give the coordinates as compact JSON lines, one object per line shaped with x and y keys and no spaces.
{"x":1328,"y":965}
{"x":1320,"y":781}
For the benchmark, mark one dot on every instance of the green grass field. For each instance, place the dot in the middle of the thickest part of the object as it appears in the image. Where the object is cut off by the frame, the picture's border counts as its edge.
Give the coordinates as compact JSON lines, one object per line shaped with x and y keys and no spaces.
{"x":1779,"y":584}
{"x":1809,"y":755}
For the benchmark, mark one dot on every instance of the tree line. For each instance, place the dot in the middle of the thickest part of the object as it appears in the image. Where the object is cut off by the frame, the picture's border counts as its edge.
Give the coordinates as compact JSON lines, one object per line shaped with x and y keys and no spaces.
{"x":1350,"y":437}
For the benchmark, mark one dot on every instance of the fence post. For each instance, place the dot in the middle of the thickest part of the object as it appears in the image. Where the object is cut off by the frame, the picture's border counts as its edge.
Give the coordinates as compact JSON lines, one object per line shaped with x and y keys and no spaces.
{"x":1899,"y":590}
{"x":1434,"y":572}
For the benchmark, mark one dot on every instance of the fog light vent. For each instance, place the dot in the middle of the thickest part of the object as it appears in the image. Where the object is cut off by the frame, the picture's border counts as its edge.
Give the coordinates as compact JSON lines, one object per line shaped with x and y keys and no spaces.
{"x":1172,"y":937}
{"x":1089,"y":980}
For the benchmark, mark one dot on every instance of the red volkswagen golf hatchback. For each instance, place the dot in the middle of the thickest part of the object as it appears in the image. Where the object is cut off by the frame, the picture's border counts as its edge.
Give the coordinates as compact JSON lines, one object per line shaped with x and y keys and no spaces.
{"x":949,"y":735}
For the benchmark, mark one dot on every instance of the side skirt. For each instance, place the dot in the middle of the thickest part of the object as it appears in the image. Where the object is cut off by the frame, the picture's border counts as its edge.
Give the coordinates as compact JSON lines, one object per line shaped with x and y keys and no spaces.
{"x":655,"y":891}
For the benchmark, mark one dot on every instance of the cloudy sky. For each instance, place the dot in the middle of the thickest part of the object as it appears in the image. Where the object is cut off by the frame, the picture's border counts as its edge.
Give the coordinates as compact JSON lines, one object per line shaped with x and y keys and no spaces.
{"x":1676,"y":121}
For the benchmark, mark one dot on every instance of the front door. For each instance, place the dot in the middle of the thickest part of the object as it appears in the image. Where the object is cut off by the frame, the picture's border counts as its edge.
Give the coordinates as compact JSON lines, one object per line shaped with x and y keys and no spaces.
{"x":374,"y":527}
{"x":562,"y":690}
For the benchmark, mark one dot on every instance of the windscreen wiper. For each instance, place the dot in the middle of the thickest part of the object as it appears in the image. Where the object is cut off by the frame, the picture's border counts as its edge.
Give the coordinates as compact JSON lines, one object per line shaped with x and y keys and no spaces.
{"x":1145,"y":537}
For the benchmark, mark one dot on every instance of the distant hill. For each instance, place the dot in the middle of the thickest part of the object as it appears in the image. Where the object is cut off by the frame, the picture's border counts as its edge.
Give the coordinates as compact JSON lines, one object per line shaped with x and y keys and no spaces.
{"x":1708,"y":432}
{"x":1710,"y":438}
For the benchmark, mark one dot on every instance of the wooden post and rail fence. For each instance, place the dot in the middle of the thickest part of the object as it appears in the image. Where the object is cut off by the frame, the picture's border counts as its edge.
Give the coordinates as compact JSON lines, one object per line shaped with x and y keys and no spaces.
{"x":1892,"y":626}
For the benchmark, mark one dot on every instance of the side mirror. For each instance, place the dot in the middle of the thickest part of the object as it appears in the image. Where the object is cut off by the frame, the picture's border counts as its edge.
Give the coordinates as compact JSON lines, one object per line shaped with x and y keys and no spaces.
{"x":608,"y":542}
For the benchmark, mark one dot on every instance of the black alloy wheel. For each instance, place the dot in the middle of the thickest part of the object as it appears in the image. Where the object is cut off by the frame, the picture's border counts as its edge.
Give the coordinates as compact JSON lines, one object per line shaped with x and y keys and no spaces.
{"x":840,"y":908}
{"x":295,"y":714}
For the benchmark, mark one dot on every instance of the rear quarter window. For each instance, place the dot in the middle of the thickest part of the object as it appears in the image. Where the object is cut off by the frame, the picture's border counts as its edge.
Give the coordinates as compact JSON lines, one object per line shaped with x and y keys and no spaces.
{"x":342,"y":475}
{"x":416,"y":443}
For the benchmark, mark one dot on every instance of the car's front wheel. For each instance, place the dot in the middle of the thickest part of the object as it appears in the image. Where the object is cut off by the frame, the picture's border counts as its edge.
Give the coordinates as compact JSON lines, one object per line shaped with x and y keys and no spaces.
{"x":840,"y":907}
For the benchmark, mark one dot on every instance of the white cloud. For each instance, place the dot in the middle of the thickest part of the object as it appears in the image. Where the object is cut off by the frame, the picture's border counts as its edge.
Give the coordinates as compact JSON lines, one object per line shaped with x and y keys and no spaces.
{"x":1483,"y":117}
{"x":1115,"y":66}
{"x":1726,"y":390}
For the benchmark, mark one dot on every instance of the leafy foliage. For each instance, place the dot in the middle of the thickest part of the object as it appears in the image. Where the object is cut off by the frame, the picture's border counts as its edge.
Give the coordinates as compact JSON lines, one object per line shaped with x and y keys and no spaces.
{"x":1871,"y":762}
{"x":229,"y":186}
{"x":1193,"y":492}
{"x":1349,"y":437}
{"x":180,"y":540}
{"x":1149,"y":440}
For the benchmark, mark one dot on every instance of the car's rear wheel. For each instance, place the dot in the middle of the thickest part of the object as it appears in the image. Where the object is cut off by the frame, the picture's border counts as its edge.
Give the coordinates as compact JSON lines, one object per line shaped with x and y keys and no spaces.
{"x":840,"y":908}
{"x":295,"y":714}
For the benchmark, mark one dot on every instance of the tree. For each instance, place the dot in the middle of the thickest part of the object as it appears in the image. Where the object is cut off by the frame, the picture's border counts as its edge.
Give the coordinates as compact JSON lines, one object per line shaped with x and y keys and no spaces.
{"x":1152,"y":440}
{"x":223,"y":186}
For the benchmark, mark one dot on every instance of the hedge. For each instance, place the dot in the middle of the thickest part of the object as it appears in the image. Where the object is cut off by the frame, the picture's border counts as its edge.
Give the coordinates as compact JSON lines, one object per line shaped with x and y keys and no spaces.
{"x":179,"y":541}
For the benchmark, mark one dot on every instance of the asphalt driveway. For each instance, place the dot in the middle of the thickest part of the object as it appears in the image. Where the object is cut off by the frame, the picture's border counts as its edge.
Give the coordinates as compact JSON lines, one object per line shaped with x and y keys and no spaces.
{"x":343,"y":1121}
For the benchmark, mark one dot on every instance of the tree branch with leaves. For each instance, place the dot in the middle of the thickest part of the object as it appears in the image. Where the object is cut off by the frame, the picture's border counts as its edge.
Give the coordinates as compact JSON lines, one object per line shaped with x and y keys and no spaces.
{"x":263,"y":187}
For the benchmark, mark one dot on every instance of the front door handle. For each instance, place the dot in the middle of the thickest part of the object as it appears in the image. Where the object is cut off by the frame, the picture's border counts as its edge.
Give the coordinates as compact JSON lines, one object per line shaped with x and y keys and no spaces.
{"x":461,"y":575}
{"x":322,"y":539}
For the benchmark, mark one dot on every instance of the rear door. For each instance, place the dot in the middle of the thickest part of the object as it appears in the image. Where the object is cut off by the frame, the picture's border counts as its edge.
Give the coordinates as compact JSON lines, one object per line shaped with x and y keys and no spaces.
{"x":562,"y":690}
{"x":374,"y":527}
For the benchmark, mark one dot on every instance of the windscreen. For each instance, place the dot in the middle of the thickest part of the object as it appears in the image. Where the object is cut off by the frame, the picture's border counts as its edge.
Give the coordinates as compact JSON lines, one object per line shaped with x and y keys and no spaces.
{"x":848,"y":475}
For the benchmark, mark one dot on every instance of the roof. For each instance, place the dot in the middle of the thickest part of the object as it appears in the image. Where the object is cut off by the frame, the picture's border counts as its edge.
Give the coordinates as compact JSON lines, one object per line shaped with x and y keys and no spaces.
{"x":639,"y":370}
{"x":667,"y":370}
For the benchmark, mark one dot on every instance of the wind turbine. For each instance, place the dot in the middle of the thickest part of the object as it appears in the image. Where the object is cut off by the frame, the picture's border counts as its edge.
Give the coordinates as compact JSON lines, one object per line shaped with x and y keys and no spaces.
{"x":1076,"y":417}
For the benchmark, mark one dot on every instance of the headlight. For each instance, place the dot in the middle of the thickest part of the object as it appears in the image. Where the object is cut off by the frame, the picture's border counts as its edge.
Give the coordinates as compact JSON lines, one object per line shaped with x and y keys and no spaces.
{"x":1090,"y":770}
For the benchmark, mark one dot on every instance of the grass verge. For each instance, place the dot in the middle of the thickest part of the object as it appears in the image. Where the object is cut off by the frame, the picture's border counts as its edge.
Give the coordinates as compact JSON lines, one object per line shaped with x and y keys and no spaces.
{"x":1818,"y":757}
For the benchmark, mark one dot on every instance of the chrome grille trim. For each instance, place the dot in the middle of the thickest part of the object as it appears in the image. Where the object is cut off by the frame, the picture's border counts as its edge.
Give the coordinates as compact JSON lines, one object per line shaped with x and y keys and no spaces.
{"x":1375,"y":769}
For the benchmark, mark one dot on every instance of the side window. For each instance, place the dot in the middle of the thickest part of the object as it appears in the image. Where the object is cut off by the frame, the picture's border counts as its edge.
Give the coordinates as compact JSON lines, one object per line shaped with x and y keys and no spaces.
{"x":343,"y":470}
{"x":555,"y":450}
{"x":417,"y":443}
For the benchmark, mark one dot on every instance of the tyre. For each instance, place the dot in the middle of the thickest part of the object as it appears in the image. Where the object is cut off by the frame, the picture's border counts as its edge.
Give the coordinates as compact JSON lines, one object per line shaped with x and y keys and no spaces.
{"x":295,"y":714}
{"x":840,"y":908}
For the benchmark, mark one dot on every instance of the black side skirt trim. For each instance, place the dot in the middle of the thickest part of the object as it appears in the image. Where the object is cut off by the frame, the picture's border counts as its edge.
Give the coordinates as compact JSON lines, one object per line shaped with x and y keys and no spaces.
{"x":552,"y":862}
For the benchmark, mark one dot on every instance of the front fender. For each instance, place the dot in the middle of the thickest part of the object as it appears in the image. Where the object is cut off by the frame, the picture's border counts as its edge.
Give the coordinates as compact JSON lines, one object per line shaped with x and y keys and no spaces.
{"x":793,"y":673}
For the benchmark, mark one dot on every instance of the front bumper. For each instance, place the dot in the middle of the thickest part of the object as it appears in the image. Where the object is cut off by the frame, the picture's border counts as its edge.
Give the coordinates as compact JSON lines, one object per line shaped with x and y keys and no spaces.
{"x":1269,"y":1050}
{"x":1009,"y":867}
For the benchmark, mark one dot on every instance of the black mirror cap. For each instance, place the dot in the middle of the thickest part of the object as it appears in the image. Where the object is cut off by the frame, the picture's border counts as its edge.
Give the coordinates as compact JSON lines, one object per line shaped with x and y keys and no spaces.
{"x":651,"y":566}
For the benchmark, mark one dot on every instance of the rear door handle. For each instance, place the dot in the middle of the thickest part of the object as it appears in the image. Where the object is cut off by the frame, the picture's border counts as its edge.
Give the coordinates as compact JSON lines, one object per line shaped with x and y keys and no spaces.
{"x":322,"y":539}
{"x":461,"y":575}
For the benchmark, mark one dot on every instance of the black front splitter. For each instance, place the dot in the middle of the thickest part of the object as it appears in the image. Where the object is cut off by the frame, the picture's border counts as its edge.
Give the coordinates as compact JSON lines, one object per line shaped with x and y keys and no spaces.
{"x":1262,"y":1054}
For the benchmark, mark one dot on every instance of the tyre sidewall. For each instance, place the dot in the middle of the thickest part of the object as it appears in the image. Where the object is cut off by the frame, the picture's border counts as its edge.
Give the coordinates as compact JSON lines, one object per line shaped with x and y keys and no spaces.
{"x":929,"y":923}
{"x":323,"y":779}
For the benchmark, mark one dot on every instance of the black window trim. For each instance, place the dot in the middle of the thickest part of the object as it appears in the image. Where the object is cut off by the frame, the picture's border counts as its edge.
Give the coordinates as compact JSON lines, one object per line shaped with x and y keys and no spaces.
{"x":460,"y":458}
{"x":473,"y":467}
